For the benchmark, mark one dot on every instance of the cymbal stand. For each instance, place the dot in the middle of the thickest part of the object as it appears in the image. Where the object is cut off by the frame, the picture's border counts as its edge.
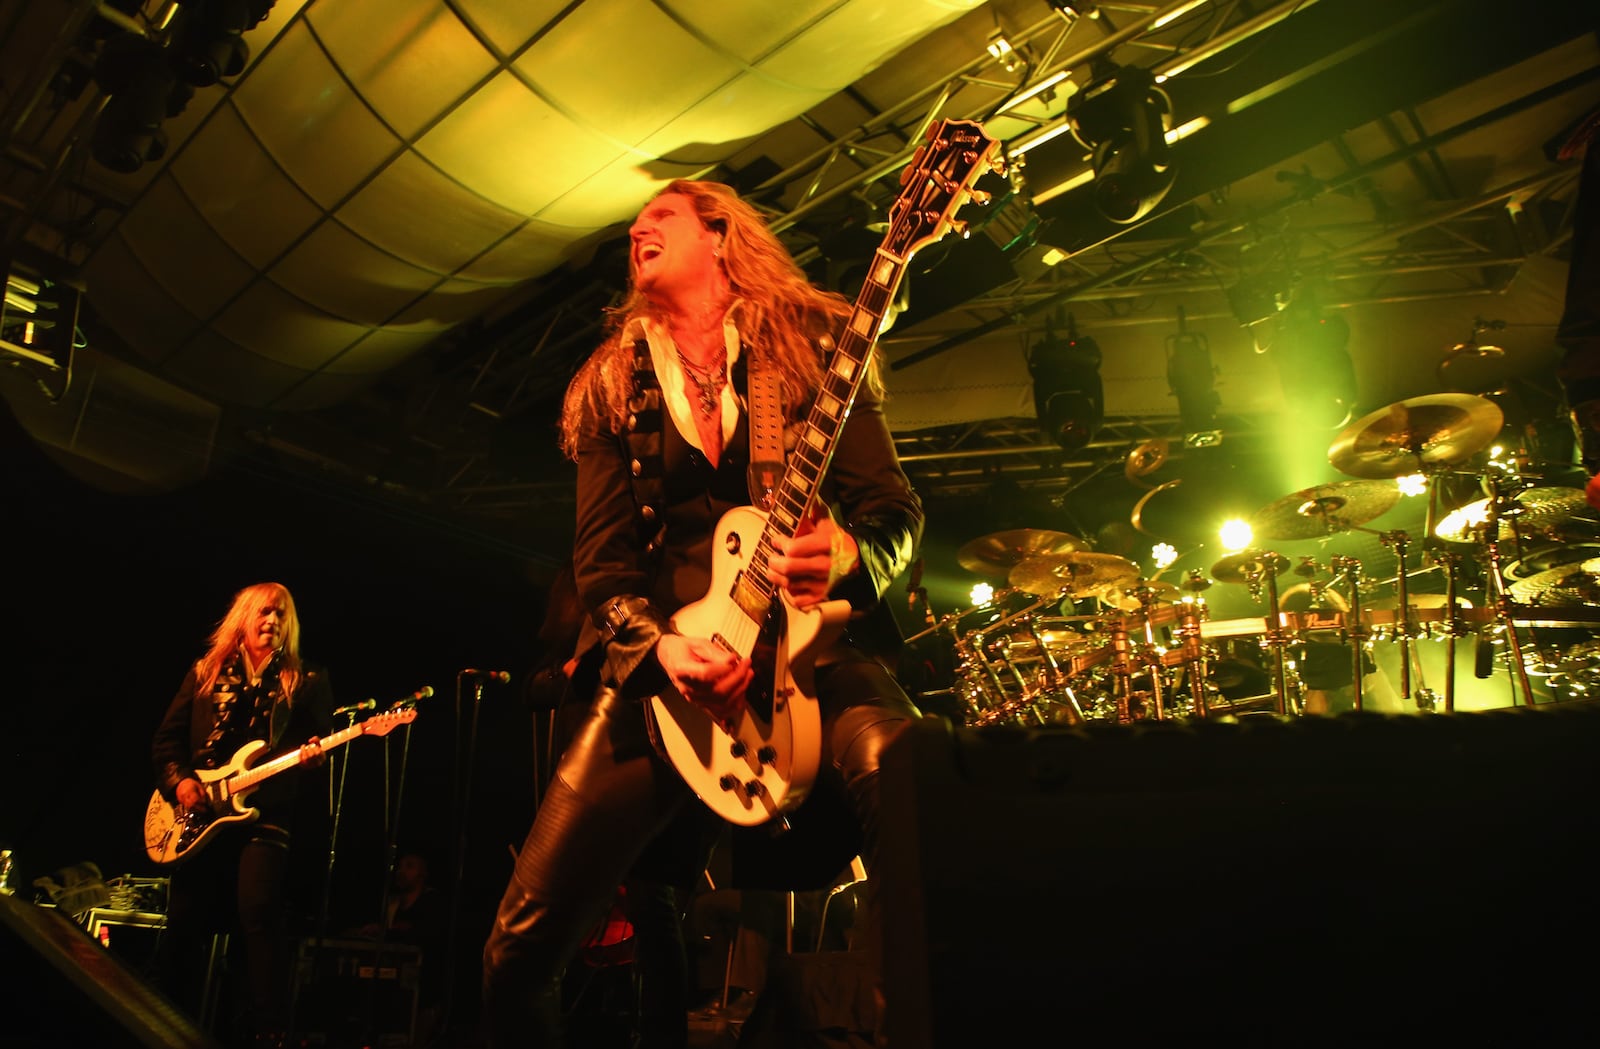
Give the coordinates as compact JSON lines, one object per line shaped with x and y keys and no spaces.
{"x":990,"y":671}
{"x":1497,"y":582}
{"x":1148,"y":655}
{"x":1255,"y":573}
{"x":1397,"y":541}
{"x":1350,"y":568}
{"x":1054,"y":677}
{"x":1453,"y":626}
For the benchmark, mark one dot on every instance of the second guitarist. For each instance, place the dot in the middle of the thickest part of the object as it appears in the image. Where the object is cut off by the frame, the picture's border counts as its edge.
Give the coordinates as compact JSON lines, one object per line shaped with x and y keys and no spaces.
{"x":658,"y":422}
{"x":250,"y":684}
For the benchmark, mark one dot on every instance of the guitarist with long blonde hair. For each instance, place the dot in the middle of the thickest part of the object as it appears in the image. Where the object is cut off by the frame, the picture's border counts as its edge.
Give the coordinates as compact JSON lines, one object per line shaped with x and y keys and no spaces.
{"x":249,"y":685}
{"x":659,"y":423}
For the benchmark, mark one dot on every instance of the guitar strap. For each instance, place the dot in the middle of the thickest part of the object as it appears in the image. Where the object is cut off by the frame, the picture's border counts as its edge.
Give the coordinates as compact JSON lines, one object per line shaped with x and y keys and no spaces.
{"x":766,"y":431}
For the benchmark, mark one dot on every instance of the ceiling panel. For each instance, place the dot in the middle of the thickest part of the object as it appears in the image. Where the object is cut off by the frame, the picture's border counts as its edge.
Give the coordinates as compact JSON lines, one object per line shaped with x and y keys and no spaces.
{"x":180,"y":250}
{"x":242,"y":192}
{"x":417,"y":213}
{"x":310,"y":121}
{"x":411,"y":65}
{"x":317,"y":270}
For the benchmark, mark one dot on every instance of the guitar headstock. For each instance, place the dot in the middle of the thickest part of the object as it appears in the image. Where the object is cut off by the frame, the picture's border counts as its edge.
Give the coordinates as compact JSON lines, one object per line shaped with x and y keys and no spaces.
{"x":938,"y":182}
{"x":388,"y":721}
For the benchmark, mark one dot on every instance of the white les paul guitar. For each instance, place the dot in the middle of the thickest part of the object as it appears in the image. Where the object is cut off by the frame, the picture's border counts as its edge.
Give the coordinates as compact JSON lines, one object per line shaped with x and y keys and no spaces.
{"x":173,"y":834}
{"x":764,"y":764}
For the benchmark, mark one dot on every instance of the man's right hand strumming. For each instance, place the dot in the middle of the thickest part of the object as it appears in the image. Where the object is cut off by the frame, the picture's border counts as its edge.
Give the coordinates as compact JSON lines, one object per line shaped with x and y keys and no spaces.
{"x":705,"y":673}
{"x":190,"y":794}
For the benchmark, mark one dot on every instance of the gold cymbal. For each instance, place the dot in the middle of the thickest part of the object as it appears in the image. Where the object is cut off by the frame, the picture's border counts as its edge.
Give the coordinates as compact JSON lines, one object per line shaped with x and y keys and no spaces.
{"x":998,"y":554}
{"x":1566,"y":585}
{"x":1130,"y":597}
{"x":1324,"y":509}
{"x":1079,"y":573}
{"x":1440,"y":429}
{"x":1239,"y":567}
{"x":1534,"y":510}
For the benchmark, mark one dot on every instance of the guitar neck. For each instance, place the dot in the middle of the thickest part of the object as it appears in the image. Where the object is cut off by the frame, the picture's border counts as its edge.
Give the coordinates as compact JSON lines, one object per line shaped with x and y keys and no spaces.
{"x":251,"y":777}
{"x":808,"y":462}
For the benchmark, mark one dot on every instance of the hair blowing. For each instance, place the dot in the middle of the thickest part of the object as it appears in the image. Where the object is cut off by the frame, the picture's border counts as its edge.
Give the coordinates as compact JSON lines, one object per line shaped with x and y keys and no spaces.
{"x":228,"y":637}
{"x":781,"y":316}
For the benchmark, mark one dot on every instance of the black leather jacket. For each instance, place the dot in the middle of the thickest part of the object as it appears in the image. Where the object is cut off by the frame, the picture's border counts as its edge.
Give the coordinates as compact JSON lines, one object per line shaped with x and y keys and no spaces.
{"x":647,"y":504}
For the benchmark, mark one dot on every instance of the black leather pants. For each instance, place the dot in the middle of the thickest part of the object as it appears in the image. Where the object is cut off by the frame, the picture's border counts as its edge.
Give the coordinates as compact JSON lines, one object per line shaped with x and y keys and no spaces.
{"x":611,"y":795}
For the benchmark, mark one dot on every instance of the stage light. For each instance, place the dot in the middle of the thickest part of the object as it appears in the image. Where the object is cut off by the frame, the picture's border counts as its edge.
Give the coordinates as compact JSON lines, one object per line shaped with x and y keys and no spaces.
{"x":38,"y":317}
{"x":1314,"y":367}
{"x":1192,"y":379}
{"x":209,"y":43}
{"x":1163,"y":555}
{"x":1068,"y":394}
{"x":135,"y":73}
{"x":1122,"y":118}
{"x":1412,"y":484}
{"x":1236,"y":535}
{"x":982,"y":594}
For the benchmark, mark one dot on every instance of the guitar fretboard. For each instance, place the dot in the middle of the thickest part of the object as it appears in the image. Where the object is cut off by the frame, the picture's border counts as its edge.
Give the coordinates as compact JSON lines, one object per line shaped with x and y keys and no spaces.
{"x":813,"y":451}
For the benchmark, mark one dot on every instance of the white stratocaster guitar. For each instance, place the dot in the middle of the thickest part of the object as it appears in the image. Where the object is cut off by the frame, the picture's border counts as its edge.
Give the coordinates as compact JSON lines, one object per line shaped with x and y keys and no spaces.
{"x":763,"y":765}
{"x":173,"y":834}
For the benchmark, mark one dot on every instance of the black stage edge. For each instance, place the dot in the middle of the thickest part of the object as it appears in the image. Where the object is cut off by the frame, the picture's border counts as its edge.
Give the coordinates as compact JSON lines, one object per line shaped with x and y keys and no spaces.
{"x":1352,"y":880}
{"x":63,"y":990}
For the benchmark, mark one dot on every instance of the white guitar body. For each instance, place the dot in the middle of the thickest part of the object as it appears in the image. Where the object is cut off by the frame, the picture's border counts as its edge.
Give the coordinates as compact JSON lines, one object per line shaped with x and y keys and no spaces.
{"x":172,"y":833}
{"x":753,"y":770}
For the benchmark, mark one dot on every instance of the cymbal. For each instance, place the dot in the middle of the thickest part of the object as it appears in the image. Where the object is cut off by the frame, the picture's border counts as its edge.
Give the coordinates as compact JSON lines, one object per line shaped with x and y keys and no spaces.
{"x":1536,"y":509}
{"x":999,"y":553}
{"x":1565,"y":585}
{"x":1237,"y":568}
{"x":1130,"y":597}
{"x":1079,"y":573}
{"x":1324,"y":509}
{"x":1440,"y":429}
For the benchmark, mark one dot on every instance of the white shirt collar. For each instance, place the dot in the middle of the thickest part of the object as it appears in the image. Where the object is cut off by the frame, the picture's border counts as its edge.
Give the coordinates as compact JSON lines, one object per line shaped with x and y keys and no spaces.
{"x":675,"y":385}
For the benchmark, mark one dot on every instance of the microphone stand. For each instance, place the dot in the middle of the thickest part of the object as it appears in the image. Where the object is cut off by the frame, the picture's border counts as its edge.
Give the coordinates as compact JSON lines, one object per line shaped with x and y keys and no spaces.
{"x":463,"y":786}
{"x":391,"y":847}
{"x":337,"y":807}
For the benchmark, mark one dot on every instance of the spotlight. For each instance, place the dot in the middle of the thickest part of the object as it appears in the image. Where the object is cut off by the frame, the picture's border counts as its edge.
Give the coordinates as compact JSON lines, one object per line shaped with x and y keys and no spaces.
{"x":135,"y":73}
{"x":1122,"y":117}
{"x":1068,"y":395}
{"x":209,"y":44}
{"x":1314,"y":367}
{"x":1191,"y":378}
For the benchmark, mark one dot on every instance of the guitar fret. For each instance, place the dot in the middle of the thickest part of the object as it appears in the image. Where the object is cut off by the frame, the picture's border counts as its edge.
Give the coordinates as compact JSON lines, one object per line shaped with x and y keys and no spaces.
{"x":843,"y":366}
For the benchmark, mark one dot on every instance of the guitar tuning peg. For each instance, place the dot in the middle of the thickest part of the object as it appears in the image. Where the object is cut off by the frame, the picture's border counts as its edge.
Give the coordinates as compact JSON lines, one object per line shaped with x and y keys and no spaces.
{"x":980,"y":196}
{"x":960,"y":227}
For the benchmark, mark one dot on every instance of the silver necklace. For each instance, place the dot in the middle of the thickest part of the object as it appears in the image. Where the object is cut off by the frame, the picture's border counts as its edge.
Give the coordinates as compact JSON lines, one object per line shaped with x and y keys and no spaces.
{"x":708,"y":381}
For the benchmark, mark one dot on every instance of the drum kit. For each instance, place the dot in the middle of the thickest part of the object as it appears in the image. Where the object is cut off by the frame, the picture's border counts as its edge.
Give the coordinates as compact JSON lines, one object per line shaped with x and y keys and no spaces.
{"x":1078,"y":636}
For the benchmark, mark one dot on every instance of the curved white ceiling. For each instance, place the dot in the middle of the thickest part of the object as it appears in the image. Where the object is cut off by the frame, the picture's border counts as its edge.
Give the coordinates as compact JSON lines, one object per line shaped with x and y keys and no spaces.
{"x":386,"y":169}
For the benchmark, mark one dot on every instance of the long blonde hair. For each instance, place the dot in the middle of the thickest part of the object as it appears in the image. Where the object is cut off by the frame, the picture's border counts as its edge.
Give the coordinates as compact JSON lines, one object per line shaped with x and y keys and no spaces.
{"x":228,"y":637}
{"x":781,"y":317}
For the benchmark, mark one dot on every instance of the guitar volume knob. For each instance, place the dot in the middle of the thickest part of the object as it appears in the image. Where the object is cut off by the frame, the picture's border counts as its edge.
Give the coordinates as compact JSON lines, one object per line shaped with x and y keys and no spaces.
{"x":737,"y":748}
{"x":755,"y":788}
{"x":767,"y":755}
{"x":727,"y":782}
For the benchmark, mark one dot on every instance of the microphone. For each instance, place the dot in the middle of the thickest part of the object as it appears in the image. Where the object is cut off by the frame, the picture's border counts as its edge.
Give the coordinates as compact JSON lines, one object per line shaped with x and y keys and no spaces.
{"x":356,"y":708}
{"x":422,"y":693}
{"x":502,"y":676}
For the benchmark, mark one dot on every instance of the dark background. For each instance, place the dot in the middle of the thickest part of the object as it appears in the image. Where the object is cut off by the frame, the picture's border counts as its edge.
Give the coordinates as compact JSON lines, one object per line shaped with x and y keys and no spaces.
{"x":109,"y":597}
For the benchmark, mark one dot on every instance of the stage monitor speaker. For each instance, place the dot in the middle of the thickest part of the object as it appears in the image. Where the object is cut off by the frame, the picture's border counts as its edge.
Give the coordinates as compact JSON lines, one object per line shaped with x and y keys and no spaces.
{"x":1309,"y":881}
{"x":64,"y":990}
